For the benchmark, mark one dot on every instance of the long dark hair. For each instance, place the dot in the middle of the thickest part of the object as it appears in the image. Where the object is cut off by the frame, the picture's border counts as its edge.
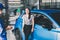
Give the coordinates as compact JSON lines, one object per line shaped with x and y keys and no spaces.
{"x":29,"y":13}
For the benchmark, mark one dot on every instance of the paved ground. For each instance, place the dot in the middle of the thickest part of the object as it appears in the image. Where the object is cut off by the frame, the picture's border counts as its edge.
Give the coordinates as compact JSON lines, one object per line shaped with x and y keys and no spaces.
{"x":10,"y":34}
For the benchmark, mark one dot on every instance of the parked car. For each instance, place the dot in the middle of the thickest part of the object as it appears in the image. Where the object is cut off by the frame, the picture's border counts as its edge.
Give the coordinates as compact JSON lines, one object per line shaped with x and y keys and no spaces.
{"x":47,"y":25}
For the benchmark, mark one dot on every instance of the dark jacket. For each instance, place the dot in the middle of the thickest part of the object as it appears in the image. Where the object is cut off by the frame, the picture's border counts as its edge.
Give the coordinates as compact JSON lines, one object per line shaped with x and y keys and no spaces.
{"x":2,"y":26}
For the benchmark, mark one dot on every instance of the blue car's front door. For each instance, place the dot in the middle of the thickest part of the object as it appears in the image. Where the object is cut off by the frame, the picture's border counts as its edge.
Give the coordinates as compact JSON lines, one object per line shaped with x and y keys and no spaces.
{"x":41,"y":33}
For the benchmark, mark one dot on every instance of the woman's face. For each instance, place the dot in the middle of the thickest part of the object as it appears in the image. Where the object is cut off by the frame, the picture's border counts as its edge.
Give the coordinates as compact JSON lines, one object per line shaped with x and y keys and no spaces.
{"x":27,"y":11}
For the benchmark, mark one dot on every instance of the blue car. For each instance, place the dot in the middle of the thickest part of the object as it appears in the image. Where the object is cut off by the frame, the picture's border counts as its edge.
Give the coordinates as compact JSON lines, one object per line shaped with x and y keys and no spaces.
{"x":47,"y":25}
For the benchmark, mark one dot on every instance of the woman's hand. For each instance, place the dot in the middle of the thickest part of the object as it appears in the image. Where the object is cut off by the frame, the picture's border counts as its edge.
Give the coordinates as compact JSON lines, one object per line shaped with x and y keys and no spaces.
{"x":9,"y":28}
{"x":32,"y":29}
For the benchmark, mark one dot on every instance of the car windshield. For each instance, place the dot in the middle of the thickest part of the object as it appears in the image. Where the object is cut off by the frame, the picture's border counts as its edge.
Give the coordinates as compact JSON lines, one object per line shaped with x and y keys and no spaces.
{"x":56,"y":17}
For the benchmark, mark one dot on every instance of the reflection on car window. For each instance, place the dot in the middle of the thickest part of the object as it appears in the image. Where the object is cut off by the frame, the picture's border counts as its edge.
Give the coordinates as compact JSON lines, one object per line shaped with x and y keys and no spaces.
{"x":56,"y":17}
{"x":42,"y":20}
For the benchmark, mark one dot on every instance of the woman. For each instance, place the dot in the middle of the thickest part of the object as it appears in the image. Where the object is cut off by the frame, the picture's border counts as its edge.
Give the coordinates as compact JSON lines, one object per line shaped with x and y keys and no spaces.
{"x":28,"y":23}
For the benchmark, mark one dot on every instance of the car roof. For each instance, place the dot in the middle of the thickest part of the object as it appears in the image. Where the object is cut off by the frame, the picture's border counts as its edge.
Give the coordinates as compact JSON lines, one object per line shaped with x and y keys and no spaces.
{"x":46,"y":11}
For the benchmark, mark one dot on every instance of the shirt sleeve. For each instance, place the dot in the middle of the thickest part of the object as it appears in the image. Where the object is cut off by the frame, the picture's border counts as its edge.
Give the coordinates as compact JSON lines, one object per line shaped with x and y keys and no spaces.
{"x":32,"y":16}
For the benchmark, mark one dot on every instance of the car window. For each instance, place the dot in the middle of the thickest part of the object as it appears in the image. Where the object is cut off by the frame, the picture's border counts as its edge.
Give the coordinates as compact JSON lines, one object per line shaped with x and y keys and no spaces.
{"x":42,"y":20}
{"x":56,"y":17}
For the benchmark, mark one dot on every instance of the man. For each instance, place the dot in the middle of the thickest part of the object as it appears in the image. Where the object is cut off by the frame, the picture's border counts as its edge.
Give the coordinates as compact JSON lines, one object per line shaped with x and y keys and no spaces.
{"x":2,"y":27}
{"x":18,"y":25}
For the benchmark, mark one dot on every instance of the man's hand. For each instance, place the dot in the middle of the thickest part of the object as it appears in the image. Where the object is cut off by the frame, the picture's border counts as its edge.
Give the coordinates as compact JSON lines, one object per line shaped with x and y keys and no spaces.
{"x":9,"y":28}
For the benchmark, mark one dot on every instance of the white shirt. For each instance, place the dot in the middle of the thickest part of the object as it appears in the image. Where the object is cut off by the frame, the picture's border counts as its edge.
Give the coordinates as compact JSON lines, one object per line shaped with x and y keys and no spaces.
{"x":26,"y":20}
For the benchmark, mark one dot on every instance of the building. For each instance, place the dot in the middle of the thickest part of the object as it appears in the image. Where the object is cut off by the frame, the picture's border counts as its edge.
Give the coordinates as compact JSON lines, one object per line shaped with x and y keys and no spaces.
{"x":45,"y":4}
{"x":49,"y":4}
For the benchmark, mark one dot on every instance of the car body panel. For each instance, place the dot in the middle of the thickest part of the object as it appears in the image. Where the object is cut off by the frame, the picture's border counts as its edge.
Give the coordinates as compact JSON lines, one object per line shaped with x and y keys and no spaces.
{"x":43,"y":34}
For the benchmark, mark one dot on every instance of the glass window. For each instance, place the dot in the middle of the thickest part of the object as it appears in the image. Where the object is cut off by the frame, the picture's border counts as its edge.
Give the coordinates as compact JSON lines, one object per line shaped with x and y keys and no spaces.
{"x":42,"y":20}
{"x":50,"y":4}
{"x":13,"y":0}
{"x":56,"y":17}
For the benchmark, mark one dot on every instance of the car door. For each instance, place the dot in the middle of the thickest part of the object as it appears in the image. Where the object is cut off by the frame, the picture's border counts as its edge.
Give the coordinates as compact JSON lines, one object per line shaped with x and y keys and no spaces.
{"x":43,"y":27}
